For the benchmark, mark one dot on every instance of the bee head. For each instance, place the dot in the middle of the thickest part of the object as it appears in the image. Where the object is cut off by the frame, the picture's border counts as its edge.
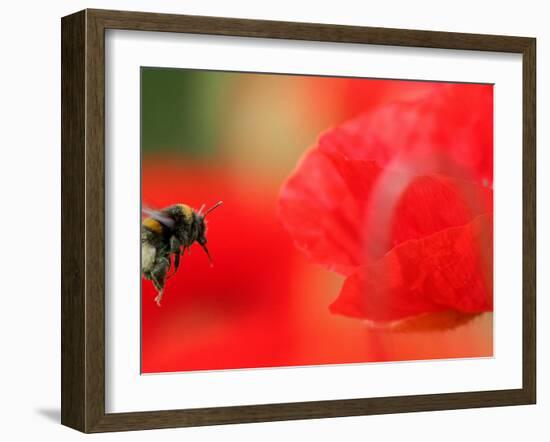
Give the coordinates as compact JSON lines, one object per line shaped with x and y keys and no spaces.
{"x":201,"y":224}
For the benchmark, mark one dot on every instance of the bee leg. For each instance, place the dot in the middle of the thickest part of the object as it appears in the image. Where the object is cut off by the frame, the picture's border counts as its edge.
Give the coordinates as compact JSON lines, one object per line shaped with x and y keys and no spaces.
{"x":160,"y":293}
{"x":158,"y":276}
{"x":158,"y":298}
{"x":175,"y":244}
{"x":177,"y":256}
{"x":159,"y":287}
{"x":175,"y":248}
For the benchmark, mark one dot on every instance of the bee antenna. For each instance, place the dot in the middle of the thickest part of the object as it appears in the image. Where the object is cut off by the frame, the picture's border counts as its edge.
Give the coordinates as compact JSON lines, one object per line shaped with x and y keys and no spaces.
{"x":201,"y":209}
{"x":215,"y":206}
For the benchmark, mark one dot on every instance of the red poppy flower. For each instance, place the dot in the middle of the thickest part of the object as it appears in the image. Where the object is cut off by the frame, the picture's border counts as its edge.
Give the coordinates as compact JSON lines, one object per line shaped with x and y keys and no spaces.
{"x":399,"y":200}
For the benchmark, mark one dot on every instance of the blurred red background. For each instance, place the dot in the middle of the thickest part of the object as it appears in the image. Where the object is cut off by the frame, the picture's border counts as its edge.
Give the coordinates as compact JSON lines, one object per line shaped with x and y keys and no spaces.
{"x":262,"y":304}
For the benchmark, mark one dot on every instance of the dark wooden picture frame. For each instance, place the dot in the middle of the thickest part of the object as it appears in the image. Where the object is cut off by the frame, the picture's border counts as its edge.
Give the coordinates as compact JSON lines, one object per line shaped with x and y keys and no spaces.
{"x":83,"y":220}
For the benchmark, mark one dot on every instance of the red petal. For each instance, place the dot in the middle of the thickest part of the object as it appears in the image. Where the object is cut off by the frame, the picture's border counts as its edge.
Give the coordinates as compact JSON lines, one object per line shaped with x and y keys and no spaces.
{"x":344,"y":213}
{"x":432,"y":322}
{"x":322,"y":206}
{"x":399,"y":172}
{"x":449,"y":270}
{"x":431,"y":203}
{"x":449,"y":131}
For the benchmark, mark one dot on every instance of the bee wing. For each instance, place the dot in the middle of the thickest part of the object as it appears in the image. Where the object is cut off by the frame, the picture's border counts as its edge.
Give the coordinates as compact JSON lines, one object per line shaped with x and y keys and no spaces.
{"x":159,"y":216}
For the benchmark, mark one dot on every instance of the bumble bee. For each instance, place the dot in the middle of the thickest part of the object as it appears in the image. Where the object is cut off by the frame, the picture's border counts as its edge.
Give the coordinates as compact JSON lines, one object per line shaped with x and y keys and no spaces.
{"x":168,"y":233}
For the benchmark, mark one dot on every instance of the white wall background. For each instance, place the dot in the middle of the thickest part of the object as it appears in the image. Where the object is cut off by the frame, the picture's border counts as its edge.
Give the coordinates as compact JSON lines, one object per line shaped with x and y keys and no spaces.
{"x":30,"y":221}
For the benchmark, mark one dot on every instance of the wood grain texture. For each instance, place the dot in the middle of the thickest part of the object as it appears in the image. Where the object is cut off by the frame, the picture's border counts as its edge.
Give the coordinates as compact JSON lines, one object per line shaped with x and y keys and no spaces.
{"x":73,"y":126}
{"x":95,"y":222}
{"x":529,"y":220}
{"x":145,"y":21}
{"x":83,"y":220}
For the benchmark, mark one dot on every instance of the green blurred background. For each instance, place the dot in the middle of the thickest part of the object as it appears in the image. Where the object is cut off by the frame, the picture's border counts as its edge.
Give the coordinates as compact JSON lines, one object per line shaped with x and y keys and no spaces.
{"x":257,"y":123}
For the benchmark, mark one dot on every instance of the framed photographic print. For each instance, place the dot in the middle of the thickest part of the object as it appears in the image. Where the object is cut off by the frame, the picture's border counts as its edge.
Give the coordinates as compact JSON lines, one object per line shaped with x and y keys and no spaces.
{"x":269,"y":220}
